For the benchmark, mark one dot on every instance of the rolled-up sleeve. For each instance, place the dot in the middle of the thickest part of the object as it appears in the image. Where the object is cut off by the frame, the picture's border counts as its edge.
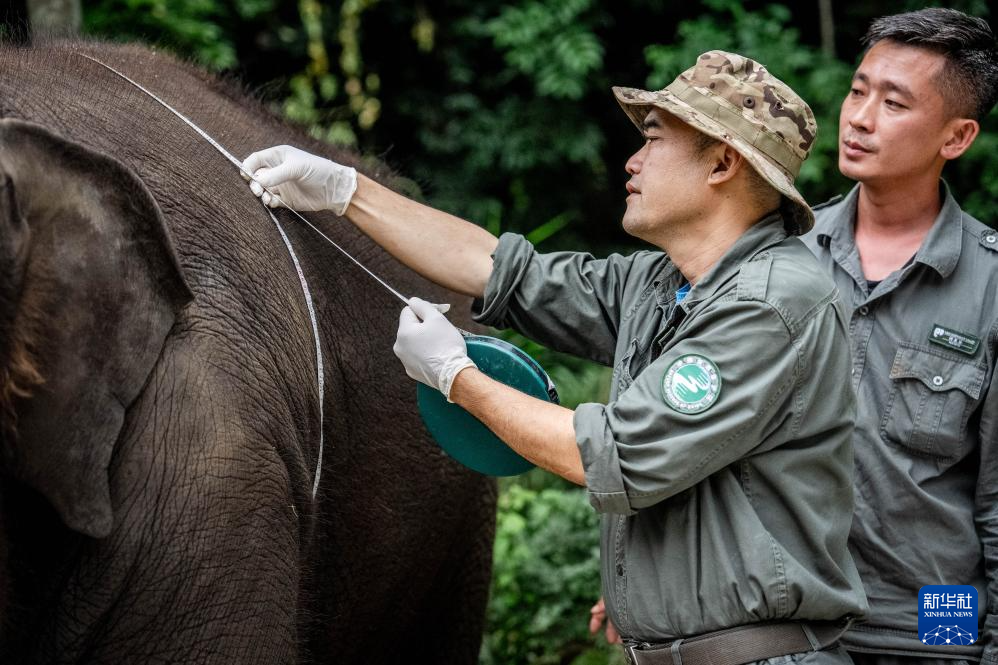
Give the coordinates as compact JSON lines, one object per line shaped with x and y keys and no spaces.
{"x":598,"y":449}
{"x":638,"y":450}
{"x":569,"y":301}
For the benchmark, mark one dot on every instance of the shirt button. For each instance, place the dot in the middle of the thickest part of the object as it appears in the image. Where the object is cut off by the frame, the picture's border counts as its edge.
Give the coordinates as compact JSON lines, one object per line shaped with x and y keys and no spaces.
{"x":620,"y":569}
{"x":864,"y":310}
{"x":937,"y":380}
{"x":853,"y":372}
{"x":992,"y":239}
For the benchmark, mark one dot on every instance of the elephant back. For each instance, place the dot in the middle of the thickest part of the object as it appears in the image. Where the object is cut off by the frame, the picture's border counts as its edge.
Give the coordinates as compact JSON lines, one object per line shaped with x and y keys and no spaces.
{"x":397,"y":542}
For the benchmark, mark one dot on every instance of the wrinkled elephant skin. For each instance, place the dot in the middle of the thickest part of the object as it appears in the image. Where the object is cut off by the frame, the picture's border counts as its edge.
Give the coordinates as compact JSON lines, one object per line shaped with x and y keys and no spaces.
{"x":159,"y":409}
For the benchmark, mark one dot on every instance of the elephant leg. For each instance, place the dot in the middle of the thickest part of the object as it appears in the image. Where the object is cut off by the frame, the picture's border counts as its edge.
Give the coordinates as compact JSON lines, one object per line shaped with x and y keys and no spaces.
{"x":202,"y":565}
{"x":452,"y":631}
{"x":4,"y":568}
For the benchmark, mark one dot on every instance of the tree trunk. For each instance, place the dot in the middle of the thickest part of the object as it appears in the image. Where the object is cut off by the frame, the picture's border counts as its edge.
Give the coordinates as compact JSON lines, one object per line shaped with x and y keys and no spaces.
{"x":827,"y":27}
{"x":54,"y":17}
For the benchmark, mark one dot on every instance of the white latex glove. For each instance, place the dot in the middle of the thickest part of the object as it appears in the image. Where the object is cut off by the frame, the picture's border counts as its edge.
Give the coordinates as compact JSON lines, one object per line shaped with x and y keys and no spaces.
{"x":430,"y":347}
{"x":300,"y":180}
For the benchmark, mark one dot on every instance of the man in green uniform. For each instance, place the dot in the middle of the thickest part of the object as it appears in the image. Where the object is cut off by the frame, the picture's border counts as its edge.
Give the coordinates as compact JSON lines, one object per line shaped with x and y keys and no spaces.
{"x":919,"y":278}
{"x":722,"y":464}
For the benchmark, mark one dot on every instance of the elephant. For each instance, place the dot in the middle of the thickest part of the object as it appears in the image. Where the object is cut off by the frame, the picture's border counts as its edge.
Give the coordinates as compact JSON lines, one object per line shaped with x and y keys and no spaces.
{"x":159,"y":396}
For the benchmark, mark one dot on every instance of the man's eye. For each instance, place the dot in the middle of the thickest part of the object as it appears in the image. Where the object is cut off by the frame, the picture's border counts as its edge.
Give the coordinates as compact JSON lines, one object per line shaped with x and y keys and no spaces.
{"x":855,"y":92}
{"x":893,"y":104}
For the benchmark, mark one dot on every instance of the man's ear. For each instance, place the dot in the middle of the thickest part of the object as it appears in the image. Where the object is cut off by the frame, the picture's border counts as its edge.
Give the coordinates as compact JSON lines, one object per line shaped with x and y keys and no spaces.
{"x":725,"y":163}
{"x":963,"y":131}
{"x":91,"y":288}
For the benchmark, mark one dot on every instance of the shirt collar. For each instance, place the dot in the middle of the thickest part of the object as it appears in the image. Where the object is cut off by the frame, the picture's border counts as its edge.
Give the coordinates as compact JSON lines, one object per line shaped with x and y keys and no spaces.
{"x":940,"y":250}
{"x":840,"y":226}
{"x":760,"y":236}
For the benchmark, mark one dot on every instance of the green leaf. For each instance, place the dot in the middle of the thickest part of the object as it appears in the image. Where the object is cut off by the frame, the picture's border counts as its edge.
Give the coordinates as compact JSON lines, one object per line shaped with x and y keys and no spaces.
{"x":549,"y":228}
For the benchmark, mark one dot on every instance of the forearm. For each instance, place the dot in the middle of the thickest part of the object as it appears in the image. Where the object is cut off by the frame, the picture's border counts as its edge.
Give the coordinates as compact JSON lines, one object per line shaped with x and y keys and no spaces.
{"x":439,"y":246}
{"x":539,"y":431}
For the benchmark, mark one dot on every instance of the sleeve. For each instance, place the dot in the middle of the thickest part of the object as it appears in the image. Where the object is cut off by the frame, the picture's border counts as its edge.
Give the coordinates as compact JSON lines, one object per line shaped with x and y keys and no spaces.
{"x":641,"y":449}
{"x":986,"y":515}
{"x":568,"y":301}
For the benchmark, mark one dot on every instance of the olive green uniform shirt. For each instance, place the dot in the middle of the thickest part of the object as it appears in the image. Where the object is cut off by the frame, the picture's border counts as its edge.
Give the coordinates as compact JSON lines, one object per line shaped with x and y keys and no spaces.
{"x":924,"y":346}
{"x":735,"y":514}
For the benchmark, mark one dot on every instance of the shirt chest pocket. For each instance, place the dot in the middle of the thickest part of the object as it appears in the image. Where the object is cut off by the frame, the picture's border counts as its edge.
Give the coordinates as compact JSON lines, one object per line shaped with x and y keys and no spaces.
{"x":632,"y":362}
{"x":930,"y":402}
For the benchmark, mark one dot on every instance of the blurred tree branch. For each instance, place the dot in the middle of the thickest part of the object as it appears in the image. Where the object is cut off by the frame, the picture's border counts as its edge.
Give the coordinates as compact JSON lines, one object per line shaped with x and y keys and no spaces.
{"x":827,"y":27}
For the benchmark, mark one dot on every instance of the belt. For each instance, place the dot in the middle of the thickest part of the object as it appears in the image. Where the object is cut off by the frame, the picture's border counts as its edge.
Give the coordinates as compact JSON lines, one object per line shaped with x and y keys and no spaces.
{"x":741,"y":644}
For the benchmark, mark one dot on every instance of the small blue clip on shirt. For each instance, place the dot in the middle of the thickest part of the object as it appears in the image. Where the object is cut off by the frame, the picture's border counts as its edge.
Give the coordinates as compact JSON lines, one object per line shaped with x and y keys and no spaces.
{"x":682,"y":292}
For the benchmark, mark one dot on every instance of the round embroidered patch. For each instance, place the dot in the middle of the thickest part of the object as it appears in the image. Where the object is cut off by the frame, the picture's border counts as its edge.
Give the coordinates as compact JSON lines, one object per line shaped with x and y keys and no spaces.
{"x":691,"y":384}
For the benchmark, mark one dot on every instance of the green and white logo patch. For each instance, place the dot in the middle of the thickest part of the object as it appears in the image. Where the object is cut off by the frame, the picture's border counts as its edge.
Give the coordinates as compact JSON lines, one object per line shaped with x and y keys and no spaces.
{"x":691,"y":384}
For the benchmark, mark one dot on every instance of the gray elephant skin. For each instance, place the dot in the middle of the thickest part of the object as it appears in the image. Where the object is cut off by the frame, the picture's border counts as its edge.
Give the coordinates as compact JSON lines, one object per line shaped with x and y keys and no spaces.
{"x":159,"y":401}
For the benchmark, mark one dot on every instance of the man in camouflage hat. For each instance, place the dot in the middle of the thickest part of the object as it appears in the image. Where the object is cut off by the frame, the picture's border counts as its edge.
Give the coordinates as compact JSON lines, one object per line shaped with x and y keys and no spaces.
{"x":721,"y":465}
{"x":735,"y":100}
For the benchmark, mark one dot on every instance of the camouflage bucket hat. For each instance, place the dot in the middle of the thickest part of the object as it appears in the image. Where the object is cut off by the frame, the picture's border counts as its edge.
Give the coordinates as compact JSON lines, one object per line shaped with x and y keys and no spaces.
{"x":736,"y":100}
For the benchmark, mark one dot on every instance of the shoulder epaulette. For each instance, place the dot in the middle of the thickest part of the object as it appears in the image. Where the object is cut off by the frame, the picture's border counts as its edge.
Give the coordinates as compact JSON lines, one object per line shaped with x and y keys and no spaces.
{"x":989,"y":239}
{"x":832,"y":201}
{"x":753,"y":277}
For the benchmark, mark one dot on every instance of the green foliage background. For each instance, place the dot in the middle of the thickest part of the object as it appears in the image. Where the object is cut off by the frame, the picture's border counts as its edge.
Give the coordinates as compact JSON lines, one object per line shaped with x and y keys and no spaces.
{"x":500,"y":111}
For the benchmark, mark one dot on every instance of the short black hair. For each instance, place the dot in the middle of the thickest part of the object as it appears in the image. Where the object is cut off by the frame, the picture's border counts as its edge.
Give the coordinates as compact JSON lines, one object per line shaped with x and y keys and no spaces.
{"x":969,"y":80}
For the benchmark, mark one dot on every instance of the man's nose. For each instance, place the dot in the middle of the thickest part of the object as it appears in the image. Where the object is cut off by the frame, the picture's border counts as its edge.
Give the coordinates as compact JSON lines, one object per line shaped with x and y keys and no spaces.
{"x":633,"y":165}
{"x":861,"y":114}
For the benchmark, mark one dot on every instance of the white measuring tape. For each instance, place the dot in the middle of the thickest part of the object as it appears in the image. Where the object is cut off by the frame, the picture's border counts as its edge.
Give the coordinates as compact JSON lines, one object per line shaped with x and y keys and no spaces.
{"x":287,"y":243}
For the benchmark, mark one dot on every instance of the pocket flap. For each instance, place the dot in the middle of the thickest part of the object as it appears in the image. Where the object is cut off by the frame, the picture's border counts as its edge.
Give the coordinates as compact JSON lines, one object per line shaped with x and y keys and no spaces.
{"x":937,"y":372}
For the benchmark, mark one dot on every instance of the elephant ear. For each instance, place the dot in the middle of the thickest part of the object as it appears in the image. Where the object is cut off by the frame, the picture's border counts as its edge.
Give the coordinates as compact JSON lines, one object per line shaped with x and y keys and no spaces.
{"x":91,"y":288}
